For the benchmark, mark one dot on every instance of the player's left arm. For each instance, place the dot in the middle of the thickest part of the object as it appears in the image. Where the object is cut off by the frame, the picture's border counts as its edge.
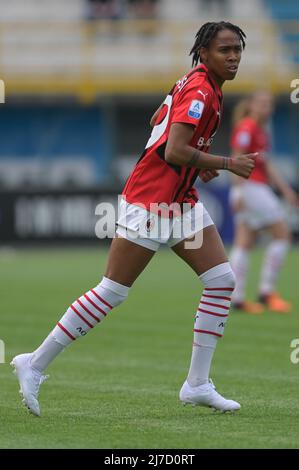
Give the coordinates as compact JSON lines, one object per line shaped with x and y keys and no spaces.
{"x":279,"y":182}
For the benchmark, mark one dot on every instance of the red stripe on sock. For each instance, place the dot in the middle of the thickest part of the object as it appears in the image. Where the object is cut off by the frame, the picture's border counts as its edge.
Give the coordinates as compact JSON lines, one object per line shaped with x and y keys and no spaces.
{"x":66,"y":332}
{"x":94,"y":305}
{"x":208,"y":333}
{"x":100,"y":298}
{"x":214,"y":305}
{"x":217,"y":297}
{"x":230,"y":289}
{"x":87,"y":311}
{"x":212,"y":313}
{"x":80,"y":316}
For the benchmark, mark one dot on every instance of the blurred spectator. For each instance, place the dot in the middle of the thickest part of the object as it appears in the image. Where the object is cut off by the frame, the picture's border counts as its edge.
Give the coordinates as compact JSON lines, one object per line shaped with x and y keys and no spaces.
{"x":105,"y":9}
{"x":219,"y":7}
{"x":143,"y":9}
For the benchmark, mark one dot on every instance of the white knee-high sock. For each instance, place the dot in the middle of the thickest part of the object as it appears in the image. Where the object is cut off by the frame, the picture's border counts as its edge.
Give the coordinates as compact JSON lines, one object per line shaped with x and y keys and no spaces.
{"x":274,"y":258}
{"x":85,"y":313}
{"x":239,"y":259}
{"x":210,"y":320}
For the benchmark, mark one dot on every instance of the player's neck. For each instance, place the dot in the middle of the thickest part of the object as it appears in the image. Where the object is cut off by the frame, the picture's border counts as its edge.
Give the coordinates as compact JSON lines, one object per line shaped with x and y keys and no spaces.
{"x":219,"y":81}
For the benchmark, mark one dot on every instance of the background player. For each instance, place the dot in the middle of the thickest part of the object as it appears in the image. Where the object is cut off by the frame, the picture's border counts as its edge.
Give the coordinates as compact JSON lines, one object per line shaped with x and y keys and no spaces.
{"x":166,"y":171}
{"x":255,"y":206}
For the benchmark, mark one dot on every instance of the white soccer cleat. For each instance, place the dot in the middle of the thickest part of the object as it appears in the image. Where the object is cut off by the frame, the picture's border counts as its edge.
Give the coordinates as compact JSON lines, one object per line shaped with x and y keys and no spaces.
{"x":206,"y":395}
{"x":30,"y":380}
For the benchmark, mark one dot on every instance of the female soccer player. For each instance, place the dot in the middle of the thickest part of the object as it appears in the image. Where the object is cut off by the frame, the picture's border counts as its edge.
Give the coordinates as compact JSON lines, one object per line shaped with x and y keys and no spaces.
{"x":256,"y":207}
{"x":176,"y":153}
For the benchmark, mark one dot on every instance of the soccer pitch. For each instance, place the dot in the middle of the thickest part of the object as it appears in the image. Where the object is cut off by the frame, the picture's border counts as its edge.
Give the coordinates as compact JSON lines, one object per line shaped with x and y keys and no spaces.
{"x":118,"y":387}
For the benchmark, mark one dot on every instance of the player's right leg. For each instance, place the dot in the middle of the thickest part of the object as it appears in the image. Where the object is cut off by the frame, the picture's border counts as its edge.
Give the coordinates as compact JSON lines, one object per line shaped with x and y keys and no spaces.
{"x":264,"y":211}
{"x":125,"y":262}
{"x":243,"y":242}
{"x":273,"y":262}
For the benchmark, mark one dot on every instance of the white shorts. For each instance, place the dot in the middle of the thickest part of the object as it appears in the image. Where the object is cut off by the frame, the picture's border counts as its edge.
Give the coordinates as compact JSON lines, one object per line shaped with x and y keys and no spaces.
{"x":150,"y":230}
{"x":262,"y":206}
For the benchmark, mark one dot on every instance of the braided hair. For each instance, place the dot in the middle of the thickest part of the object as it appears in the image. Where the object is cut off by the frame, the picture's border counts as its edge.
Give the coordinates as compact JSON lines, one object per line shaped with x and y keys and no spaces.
{"x":207,"y":32}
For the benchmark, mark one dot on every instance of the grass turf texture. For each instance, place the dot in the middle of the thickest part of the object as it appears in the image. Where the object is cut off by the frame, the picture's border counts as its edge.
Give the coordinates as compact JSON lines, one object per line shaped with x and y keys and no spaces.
{"x":118,"y":387}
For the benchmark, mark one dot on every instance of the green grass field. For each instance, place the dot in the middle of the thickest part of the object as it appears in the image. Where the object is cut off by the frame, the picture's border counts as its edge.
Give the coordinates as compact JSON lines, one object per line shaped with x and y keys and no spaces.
{"x":118,"y":387}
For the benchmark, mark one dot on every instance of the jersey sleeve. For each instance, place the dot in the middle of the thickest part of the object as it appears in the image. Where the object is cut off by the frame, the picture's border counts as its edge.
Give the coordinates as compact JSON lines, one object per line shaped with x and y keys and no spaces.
{"x":190,"y":106}
{"x":241,"y":139}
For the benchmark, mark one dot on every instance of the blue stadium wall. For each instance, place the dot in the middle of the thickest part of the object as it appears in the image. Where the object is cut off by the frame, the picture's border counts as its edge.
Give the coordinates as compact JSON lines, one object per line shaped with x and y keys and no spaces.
{"x":49,"y":132}
{"x":61,"y":131}
{"x":95,"y":134}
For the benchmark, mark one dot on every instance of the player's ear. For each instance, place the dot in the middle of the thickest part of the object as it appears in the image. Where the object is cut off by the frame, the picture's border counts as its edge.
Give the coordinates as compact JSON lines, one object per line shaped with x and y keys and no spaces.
{"x":203,"y":53}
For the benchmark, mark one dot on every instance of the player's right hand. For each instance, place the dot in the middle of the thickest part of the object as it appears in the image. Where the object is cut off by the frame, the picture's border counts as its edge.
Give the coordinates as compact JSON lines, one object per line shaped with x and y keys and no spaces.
{"x":243,"y":164}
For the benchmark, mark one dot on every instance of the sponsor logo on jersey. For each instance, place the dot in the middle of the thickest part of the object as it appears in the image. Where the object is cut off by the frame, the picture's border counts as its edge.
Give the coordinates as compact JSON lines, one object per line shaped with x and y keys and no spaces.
{"x":203,"y":143}
{"x":196,"y":108}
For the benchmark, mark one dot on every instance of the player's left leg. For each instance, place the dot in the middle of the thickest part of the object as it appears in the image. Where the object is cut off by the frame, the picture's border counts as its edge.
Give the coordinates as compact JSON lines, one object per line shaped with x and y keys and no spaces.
{"x":274,"y":258}
{"x":211,"y":265}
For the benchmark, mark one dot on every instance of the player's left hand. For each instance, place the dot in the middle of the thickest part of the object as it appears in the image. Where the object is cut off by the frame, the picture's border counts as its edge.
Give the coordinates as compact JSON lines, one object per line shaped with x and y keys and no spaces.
{"x":207,"y":175}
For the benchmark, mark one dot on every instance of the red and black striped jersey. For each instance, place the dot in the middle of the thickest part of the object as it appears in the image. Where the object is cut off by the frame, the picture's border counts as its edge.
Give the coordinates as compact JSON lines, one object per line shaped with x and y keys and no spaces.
{"x":195,"y":99}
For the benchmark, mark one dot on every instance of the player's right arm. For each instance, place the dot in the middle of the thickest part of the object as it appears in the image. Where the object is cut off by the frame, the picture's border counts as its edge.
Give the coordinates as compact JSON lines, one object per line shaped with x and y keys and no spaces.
{"x":179,"y":152}
{"x":285,"y":189}
{"x":240,"y":144}
{"x":236,"y":197}
{"x":155,"y":115}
